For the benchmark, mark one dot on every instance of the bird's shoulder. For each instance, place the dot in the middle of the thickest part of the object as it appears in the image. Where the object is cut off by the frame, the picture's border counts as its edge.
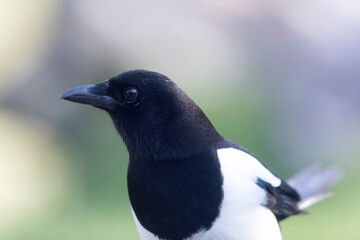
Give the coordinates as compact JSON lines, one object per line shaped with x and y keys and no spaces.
{"x":237,"y":161}
{"x":236,"y":158}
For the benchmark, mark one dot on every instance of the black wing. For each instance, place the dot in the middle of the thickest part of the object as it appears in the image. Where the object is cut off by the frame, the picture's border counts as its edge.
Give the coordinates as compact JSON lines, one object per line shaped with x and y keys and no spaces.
{"x":282,"y":200}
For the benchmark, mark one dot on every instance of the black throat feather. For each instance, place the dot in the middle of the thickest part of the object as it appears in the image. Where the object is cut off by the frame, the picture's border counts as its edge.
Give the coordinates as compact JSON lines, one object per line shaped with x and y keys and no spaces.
{"x":174,"y":175}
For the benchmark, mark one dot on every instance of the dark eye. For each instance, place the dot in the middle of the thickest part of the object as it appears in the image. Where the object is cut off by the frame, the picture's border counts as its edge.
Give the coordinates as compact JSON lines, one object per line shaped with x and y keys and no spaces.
{"x":131,"y":93}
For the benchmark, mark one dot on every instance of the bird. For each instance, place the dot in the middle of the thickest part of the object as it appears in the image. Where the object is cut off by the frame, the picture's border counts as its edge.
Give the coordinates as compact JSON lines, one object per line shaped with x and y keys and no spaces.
{"x":184,"y":179}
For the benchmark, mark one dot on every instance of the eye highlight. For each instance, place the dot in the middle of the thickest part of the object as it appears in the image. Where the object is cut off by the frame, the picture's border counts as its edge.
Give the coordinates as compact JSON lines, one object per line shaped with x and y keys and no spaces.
{"x":131,"y":93}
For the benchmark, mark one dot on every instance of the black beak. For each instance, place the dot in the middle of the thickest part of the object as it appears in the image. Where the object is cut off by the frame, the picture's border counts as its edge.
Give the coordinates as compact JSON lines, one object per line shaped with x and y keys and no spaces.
{"x":95,"y":95}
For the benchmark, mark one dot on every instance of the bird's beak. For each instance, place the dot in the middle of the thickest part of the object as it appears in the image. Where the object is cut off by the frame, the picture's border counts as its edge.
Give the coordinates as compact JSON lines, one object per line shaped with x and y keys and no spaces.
{"x":95,"y":95}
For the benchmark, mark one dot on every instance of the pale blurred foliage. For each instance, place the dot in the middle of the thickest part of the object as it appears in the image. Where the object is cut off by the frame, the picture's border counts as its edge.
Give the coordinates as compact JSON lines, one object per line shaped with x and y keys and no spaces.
{"x":160,"y":35}
{"x":33,"y":173}
{"x":24,"y":29}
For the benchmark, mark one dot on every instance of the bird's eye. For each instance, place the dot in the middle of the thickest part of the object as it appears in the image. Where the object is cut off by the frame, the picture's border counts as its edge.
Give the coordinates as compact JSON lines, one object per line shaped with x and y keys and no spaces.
{"x":131,"y":93}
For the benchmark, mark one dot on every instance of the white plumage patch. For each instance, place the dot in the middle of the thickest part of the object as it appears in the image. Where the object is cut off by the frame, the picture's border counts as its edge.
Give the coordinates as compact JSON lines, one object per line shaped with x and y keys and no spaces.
{"x":246,"y":165}
{"x":242,"y":215}
{"x":143,"y":233}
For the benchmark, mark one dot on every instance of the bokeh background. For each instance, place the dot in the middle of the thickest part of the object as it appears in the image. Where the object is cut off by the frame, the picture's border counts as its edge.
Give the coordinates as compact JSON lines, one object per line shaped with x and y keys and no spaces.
{"x":282,"y":78}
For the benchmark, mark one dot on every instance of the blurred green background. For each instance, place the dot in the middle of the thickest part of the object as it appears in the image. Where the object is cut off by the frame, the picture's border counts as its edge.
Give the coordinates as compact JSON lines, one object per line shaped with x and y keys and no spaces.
{"x":280,"y":78}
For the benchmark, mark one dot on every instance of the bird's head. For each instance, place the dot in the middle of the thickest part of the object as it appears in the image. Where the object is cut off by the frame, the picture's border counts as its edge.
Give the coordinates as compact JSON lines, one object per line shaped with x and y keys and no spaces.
{"x":153,"y":115}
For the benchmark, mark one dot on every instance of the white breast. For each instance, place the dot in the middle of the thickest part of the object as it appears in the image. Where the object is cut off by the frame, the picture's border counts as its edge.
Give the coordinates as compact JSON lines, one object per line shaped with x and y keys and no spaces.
{"x":242,"y":215}
{"x":144,"y":234}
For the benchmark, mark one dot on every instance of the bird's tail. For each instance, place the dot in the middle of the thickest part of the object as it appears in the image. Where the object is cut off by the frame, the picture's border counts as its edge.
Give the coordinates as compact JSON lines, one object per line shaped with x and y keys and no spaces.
{"x":311,"y":183}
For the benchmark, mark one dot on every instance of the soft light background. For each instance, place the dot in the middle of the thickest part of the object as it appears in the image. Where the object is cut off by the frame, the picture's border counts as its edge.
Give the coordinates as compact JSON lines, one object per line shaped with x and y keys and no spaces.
{"x":282,"y":78}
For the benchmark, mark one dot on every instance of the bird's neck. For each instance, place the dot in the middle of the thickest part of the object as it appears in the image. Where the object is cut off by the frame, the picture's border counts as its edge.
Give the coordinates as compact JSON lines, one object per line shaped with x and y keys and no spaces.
{"x":180,"y":136}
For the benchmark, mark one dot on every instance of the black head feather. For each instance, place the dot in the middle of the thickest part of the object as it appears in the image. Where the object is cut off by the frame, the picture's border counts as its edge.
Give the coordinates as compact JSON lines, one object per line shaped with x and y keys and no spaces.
{"x":174,"y":176}
{"x":154,"y":116}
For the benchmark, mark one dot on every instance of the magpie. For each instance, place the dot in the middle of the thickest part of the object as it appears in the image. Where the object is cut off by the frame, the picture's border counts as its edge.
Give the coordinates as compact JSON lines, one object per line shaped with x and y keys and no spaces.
{"x":186,"y":181}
